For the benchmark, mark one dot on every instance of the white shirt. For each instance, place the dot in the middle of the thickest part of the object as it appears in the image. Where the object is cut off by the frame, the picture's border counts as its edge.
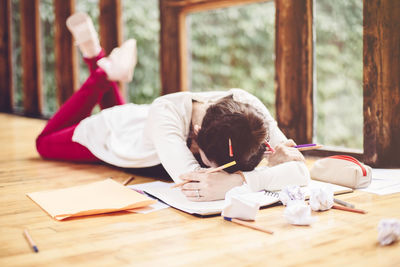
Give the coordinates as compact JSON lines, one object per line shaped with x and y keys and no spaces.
{"x":135,"y":136}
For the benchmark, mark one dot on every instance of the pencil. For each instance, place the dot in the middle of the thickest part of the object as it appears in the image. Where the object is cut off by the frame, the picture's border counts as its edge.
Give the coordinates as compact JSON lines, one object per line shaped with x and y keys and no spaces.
{"x":309,"y":147}
{"x":249,"y":225}
{"x":227,"y":165}
{"x":343,"y":203}
{"x":127,"y":181}
{"x":269,"y":147}
{"x":30,"y":241}
{"x":348,"y":209}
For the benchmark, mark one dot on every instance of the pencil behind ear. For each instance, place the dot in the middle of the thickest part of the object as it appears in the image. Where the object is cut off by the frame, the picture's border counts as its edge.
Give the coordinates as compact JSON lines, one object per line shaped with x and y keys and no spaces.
{"x":196,"y":129}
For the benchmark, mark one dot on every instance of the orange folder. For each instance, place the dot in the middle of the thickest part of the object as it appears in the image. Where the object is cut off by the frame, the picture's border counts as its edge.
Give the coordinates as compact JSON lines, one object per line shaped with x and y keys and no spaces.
{"x":94,"y":198}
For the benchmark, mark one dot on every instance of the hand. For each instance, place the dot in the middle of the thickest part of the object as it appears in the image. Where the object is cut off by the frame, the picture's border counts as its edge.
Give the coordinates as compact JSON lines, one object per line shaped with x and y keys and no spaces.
{"x":285,"y":152}
{"x":209,"y":186}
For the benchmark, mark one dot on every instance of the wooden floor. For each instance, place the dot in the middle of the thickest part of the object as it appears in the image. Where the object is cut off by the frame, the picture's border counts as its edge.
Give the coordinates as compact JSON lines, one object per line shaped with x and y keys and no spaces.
{"x":167,"y":237}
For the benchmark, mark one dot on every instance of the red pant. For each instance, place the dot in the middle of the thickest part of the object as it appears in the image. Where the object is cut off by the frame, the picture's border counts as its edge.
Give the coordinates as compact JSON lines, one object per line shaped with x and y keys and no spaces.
{"x":55,"y":141}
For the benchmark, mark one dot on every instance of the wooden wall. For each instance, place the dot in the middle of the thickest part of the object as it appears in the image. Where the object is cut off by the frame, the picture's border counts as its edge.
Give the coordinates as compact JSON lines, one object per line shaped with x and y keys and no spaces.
{"x":294,"y":69}
{"x":382,"y":82}
{"x":294,"y":63}
{"x":6,"y":66}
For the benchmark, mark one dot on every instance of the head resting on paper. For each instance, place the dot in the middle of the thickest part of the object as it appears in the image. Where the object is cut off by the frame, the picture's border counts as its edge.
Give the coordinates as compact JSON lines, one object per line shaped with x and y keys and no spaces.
{"x":239,"y":122}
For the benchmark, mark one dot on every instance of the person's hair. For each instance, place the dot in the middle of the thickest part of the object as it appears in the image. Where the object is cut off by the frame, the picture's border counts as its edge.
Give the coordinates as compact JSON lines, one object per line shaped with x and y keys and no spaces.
{"x":243,"y":124}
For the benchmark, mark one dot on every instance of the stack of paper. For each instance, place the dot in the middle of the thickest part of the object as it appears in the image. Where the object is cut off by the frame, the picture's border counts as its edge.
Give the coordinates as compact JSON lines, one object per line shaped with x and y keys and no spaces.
{"x":95,"y":198}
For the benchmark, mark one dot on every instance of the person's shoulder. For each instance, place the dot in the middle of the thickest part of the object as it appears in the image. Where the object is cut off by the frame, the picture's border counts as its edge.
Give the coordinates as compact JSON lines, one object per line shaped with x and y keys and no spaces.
{"x":242,"y":96}
{"x":173,"y":97}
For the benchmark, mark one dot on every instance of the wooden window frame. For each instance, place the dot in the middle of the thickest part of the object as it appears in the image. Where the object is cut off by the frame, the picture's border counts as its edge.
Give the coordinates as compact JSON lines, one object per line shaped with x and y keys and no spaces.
{"x":294,"y":75}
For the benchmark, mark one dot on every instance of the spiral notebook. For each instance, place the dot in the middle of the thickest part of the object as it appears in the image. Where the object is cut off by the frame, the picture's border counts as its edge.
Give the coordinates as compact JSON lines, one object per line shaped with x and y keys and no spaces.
{"x":174,"y":197}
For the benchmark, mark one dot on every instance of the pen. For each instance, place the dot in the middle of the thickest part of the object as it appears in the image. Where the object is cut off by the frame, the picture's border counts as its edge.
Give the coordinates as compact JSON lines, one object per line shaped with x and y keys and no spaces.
{"x":250,"y":225}
{"x":209,"y":171}
{"x":343,"y":203}
{"x":30,"y":241}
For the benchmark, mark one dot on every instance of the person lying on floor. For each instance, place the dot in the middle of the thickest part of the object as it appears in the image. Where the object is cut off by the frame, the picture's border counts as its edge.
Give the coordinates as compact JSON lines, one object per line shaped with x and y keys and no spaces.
{"x":182,"y":134}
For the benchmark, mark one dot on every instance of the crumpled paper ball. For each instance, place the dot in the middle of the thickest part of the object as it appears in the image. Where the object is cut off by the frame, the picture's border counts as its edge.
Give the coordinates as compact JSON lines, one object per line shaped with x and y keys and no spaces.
{"x":291,"y":192}
{"x":388,"y":231}
{"x":321,"y":198}
{"x":297,"y":212}
{"x":237,"y":206}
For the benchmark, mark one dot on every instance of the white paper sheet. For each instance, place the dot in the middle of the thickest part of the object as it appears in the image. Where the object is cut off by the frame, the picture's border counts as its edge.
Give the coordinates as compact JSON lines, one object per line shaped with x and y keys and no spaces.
{"x":154,"y":207}
{"x":384,"y":182}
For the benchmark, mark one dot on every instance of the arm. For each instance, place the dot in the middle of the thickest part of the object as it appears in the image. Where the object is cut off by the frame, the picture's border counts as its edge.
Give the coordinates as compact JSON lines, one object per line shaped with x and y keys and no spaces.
{"x":167,"y":127}
{"x":279,"y":176}
{"x":213,"y":186}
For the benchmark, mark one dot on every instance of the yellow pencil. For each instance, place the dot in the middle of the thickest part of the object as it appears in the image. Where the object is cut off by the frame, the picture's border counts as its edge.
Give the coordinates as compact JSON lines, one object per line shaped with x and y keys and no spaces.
{"x":127,"y":181}
{"x":309,"y":148}
{"x":227,"y":165}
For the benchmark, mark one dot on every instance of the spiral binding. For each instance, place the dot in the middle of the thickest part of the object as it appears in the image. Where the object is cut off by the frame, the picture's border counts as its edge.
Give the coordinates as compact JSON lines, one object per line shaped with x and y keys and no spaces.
{"x":271,"y":193}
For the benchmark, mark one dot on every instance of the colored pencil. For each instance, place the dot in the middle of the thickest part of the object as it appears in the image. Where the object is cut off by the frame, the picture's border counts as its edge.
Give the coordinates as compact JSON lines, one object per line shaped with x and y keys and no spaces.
{"x":269,"y":147}
{"x":30,"y":241}
{"x":209,"y":171}
{"x":305,"y":145}
{"x":348,"y":209}
{"x":343,"y":203}
{"x":309,"y":147}
{"x":127,"y":181}
{"x":249,"y":225}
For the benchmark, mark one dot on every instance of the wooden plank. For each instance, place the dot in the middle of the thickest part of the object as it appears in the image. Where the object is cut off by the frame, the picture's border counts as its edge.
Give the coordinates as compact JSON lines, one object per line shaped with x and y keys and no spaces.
{"x":6,"y":66}
{"x":382,"y":83}
{"x":111,"y":31}
{"x":168,"y":237}
{"x":173,"y":49}
{"x":294,"y":69}
{"x":110,"y":20}
{"x":66,"y":63}
{"x":204,"y":5}
{"x":31,"y":57}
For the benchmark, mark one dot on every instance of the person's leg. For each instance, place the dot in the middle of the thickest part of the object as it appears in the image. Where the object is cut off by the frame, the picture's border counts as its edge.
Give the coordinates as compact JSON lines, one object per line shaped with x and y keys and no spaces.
{"x":81,"y":103}
{"x":92,"y":62}
{"x":111,"y":97}
{"x":59,"y":146}
{"x":55,"y":141}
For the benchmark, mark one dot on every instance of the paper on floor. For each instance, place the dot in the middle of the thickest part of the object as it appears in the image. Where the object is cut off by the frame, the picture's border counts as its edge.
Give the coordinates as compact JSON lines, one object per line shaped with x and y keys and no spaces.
{"x":141,"y":189}
{"x":321,"y":198}
{"x":291,"y":192}
{"x":94,"y":198}
{"x":238,"y":206}
{"x":384,"y":182}
{"x":297,"y":212}
{"x":388,"y":231}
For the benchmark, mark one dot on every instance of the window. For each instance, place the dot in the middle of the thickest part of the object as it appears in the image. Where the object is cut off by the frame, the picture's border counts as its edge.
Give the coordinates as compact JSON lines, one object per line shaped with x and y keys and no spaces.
{"x":141,"y":22}
{"x":339,"y":72}
{"x":233,"y":47}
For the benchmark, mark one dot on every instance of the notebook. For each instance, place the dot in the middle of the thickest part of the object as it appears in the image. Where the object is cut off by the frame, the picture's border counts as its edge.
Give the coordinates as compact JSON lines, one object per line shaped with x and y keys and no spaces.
{"x":174,"y":197}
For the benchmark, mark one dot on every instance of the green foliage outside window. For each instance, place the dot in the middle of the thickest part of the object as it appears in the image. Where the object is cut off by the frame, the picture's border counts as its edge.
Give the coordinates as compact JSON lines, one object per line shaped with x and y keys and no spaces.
{"x":231,"y":47}
{"x":339,"y":94}
{"x":234,"y":48}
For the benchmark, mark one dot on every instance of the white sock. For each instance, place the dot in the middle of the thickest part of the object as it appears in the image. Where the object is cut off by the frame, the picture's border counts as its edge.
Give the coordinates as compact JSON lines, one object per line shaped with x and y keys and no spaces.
{"x":120,"y":64}
{"x":85,"y":35}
